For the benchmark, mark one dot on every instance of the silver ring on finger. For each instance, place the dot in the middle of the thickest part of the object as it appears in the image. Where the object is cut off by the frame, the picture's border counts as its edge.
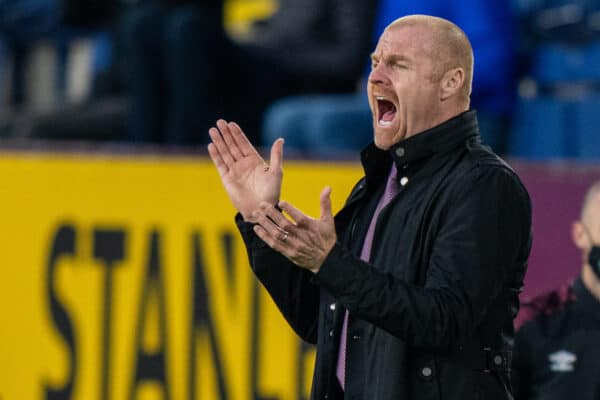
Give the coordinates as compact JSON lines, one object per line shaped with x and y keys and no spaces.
{"x":283,"y":236}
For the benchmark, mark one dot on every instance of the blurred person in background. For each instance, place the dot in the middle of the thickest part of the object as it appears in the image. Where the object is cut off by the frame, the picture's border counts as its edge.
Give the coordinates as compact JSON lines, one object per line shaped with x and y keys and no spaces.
{"x":310,"y":123}
{"x":25,"y":24}
{"x":185,"y":71}
{"x":557,"y":355}
{"x":411,"y":290}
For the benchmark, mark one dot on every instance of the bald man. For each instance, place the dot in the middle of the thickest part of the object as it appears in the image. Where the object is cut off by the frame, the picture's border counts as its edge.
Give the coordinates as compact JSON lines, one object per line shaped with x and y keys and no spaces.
{"x":557,"y":348}
{"x":409,"y":292}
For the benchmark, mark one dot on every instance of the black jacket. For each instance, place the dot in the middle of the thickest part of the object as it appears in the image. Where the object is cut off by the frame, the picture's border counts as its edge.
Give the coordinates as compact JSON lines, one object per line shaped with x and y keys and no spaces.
{"x":431,"y":314}
{"x":557,"y":348}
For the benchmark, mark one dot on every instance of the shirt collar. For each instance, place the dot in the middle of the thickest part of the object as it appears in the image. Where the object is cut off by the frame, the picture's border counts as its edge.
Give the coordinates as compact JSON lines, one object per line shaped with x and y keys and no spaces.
{"x":437,"y":140}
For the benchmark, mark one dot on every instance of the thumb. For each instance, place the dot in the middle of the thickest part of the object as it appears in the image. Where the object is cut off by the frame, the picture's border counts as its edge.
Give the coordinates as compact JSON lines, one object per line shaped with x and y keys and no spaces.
{"x":276,"y":159}
{"x":326,"y":214}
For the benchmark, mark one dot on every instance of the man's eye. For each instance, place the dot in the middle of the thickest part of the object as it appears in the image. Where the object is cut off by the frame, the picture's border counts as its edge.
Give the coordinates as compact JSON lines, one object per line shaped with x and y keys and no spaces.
{"x":400,"y":66}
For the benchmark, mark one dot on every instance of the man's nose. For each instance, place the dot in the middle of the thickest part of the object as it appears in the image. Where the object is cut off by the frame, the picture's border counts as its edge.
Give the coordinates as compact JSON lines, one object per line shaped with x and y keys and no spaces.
{"x":378,"y":75}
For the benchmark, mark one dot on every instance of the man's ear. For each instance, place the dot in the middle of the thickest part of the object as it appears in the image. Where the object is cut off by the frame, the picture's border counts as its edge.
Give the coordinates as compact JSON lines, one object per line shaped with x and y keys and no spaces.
{"x":452,"y":82}
{"x":579,"y":236}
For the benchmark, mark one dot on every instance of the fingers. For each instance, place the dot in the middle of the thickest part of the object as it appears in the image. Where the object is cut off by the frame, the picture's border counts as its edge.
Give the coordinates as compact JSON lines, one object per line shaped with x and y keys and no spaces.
{"x":277,"y":217}
{"x":276,"y":159}
{"x":326,"y":214}
{"x":305,"y":245}
{"x":269,"y":225}
{"x":246,"y":148}
{"x":217,"y":159}
{"x":273,"y":228}
{"x":229,"y":140}
{"x":221,"y":146}
{"x":298,"y":216}
{"x":272,"y":241}
{"x":274,"y":223}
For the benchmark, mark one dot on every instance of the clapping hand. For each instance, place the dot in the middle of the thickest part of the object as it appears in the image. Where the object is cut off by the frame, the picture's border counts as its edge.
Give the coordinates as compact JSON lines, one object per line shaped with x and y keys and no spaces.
{"x":304,"y":240}
{"x":247,"y":178}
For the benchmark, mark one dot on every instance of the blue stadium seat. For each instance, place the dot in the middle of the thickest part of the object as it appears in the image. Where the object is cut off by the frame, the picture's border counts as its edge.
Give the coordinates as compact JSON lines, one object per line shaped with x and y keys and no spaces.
{"x":592,"y":61}
{"x":320,"y":125}
{"x":587,"y":128}
{"x":540,"y":130}
{"x":553,"y":62}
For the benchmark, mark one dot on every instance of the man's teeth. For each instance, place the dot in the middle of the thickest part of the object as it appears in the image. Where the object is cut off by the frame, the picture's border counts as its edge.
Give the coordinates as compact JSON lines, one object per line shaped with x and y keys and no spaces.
{"x":381,"y":122}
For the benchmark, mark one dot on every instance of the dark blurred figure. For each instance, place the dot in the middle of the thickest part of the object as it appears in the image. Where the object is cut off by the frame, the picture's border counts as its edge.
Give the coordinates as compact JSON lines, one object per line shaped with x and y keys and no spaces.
{"x":556,"y":348}
{"x":25,"y":22}
{"x":185,"y":71}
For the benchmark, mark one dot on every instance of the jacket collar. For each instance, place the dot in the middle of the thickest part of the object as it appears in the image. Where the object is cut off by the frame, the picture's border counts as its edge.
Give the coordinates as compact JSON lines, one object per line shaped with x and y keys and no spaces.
{"x":586,"y":300}
{"x":437,"y":140}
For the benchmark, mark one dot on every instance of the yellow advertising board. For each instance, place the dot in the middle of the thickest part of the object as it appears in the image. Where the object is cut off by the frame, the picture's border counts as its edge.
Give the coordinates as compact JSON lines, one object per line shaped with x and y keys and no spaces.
{"x":125,"y":278}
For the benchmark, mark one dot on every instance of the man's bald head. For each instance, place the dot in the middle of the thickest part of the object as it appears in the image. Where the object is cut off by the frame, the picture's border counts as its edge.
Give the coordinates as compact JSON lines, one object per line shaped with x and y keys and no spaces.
{"x":448,"y":47}
{"x":591,"y":199}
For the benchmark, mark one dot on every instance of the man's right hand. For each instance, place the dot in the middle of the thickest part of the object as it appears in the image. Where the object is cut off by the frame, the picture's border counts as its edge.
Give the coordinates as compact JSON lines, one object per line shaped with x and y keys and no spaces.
{"x":247,"y":178}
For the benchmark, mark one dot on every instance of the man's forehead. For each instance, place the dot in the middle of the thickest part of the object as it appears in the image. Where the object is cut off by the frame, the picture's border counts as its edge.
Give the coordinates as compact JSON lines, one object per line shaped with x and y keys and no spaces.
{"x":402,"y":39}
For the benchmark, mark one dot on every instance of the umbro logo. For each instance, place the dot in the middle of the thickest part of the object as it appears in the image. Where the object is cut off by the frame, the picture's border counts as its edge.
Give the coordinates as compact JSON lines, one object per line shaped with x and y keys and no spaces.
{"x":562,"y":361}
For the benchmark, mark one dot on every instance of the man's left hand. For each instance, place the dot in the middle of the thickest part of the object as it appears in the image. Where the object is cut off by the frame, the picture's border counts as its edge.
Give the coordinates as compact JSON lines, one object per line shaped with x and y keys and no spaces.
{"x":304,"y":240}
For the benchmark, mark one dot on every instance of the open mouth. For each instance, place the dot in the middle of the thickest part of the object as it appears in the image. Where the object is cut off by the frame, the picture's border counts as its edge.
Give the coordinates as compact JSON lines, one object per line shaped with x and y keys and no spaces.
{"x":386,"y":111}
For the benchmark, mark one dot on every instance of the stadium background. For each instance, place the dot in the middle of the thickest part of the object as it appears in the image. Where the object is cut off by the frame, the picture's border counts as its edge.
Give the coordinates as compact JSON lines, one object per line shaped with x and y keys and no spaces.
{"x":122,"y":276}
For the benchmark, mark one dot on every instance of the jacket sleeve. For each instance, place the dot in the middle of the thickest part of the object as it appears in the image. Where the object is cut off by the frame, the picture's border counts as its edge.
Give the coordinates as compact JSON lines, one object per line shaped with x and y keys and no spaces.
{"x":482,"y":238}
{"x":289,"y":286}
{"x":522,"y":365}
